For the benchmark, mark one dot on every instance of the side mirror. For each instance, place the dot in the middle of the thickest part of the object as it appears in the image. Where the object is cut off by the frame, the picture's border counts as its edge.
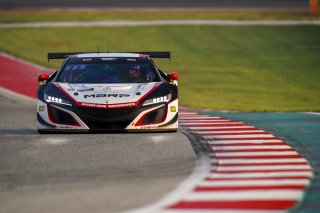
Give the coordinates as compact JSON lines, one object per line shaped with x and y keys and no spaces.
{"x":173,"y":76}
{"x":43,"y":77}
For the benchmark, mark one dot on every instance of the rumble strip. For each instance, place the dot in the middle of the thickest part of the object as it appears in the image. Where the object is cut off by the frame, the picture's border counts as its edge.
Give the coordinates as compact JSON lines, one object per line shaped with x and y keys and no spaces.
{"x":250,"y":170}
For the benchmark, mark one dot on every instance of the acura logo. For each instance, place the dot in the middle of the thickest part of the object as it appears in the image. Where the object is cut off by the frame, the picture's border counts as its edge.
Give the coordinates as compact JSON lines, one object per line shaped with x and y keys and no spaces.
{"x":107,"y":89}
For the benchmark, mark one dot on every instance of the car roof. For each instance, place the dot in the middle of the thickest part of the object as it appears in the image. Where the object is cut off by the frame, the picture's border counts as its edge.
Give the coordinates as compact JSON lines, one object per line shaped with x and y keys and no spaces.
{"x":86,"y":55}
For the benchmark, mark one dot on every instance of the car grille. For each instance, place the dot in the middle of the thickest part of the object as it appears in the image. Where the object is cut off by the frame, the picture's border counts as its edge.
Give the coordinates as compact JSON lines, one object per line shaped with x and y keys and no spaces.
{"x":108,"y":125}
{"x":98,"y":114}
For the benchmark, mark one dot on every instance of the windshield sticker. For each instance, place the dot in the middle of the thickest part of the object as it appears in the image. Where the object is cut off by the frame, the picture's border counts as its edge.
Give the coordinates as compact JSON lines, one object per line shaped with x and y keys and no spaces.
{"x":84,"y":88}
{"x":82,"y":67}
{"x":75,"y":67}
{"x":109,"y":59}
{"x":68,"y":67}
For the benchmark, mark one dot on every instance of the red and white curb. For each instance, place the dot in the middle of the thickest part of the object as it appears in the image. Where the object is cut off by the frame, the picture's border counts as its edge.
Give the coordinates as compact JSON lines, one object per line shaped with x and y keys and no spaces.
{"x":250,"y":170}
{"x":19,"y":77}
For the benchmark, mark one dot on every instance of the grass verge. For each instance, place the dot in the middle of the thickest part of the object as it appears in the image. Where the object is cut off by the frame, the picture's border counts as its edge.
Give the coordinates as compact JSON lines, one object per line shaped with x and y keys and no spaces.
{"x":245,"y":68}
{"x":58,"y":16}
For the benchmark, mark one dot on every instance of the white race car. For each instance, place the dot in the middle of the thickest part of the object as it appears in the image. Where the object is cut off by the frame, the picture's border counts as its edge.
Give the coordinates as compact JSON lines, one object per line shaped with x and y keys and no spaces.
{"x":108,"y":91}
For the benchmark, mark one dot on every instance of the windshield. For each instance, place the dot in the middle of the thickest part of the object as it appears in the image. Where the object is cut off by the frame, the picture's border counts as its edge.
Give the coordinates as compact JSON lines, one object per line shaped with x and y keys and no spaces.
{"x":108,"y":70}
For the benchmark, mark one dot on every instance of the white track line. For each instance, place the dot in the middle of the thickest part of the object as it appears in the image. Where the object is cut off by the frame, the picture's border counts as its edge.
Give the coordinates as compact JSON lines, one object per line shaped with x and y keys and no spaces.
{"x":193,"y":116}
{"x":183,"y":123}
{"x":222,"y":168}
{"x":184,"y":120}
{"x":313,"y":113}
{"x":199,"y":117}
{"x":250,"y":147}
{"x":15,"y":96}
{"x":239,"y":136}
{"x":202,"y":121}
{"x":283,"y":194}
{"x":219,"y":127}
{"x":37,"y":66}
{"x":257,"y":161}
{"x":270,"y":153}
{"x":231,"y":183}
{"x":241,"y":154}
{"x":214,"y":123}
{"x":256,"y":174}
{"x":222,"y":132}
{"x":225,"y":142}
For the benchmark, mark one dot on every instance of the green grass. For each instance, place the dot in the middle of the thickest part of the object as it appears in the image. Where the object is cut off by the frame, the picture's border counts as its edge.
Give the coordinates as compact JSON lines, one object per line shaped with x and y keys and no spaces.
{"x":11,"y":17}
{"x":253,"y":68}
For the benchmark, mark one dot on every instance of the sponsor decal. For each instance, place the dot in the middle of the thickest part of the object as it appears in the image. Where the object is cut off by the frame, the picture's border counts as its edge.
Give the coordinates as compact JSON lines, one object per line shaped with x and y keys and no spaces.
{"x":121,"y":105}
{"x":85,"y":90}
{"x":108,"y":106}
{"x":103,"y":95}
{"x":94,"y":105}
{"x":149,"y":127}
{"x":41,"y":108}
{"x":173,"y":109}
{"x":66,"y":127}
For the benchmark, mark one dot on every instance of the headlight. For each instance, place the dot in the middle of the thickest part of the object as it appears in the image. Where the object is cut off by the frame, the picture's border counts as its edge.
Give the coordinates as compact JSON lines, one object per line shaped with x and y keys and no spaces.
{"x":162,"y":99}
{"x":52,"y":99}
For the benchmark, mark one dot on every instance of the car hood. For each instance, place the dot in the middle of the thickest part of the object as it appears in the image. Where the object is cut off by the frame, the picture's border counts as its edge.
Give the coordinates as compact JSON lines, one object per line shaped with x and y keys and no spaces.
{"x":107,"y":94}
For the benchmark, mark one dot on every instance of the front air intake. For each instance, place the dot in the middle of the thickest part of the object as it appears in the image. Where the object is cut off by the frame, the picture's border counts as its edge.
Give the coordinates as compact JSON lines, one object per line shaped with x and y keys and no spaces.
{"x":153,"y":117}
{"x":58,"y":116}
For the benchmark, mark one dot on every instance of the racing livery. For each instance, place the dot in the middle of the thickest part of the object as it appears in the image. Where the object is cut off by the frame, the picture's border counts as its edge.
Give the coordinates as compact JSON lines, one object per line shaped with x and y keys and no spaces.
{"x":108,"y":91}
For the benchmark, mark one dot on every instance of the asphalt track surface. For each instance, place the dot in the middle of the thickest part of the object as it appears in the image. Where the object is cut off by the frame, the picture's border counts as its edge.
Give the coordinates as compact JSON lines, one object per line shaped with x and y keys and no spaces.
{"x":83,"y":172}
{"x":140,"y":4}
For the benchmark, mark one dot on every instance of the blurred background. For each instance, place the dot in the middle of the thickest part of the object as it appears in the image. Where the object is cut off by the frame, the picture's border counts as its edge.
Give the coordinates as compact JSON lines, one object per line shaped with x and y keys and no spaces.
{"x":284,"y":4}
{"x":239,"y":67}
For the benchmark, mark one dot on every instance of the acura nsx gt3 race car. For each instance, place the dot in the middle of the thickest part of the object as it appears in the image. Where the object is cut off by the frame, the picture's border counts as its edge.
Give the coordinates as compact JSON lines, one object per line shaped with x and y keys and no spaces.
{"x":108,"y":91}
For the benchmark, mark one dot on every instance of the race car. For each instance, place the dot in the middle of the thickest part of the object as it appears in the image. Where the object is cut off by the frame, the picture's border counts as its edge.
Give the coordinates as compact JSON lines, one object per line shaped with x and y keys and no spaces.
{"x":107,"y":91}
